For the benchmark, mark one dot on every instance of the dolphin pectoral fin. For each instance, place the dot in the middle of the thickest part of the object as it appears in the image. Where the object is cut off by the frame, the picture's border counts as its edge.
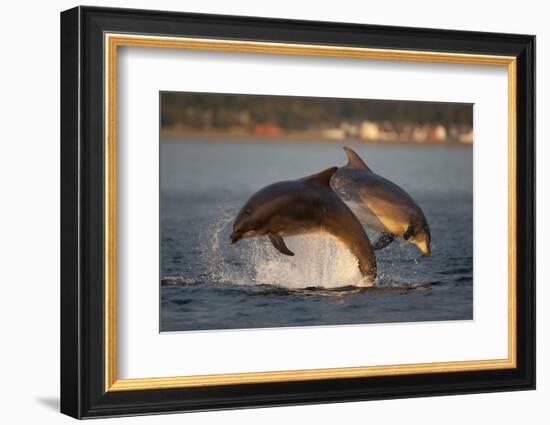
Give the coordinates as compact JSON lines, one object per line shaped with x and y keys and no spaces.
{"x":279,"y":243}
{"x":383,"y":241}
{"x":322,"y":178}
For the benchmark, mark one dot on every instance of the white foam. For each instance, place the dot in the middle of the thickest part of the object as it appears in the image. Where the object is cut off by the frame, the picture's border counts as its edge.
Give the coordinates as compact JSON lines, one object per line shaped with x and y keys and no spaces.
{"x":319,"y":261}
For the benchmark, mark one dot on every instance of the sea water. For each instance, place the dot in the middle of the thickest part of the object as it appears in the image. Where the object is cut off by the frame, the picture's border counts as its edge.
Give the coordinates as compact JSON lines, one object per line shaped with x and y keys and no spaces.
{"x":250,"y":284}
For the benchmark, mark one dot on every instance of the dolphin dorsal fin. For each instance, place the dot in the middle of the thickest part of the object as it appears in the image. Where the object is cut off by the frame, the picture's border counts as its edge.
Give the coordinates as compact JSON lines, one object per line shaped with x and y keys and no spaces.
{"x":322,"y":178}
{"x":354,"y":160}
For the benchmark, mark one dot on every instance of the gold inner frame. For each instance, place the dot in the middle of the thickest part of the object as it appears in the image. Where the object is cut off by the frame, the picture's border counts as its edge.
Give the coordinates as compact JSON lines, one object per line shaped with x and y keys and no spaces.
{"x":113,"y":41}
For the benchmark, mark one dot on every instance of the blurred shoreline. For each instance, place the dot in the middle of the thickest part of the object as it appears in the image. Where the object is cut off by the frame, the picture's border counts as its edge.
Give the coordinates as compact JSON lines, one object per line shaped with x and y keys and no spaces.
{"x":258,"y":117}
{"x":179,"y":135}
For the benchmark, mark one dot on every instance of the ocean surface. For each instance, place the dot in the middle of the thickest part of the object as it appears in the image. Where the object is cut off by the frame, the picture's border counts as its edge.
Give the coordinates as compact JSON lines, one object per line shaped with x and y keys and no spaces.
{"x":251,"y":285}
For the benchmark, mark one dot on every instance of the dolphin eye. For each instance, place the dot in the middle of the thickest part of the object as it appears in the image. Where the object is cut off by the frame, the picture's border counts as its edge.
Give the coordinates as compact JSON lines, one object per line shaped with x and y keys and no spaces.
{"x":247,"y":212}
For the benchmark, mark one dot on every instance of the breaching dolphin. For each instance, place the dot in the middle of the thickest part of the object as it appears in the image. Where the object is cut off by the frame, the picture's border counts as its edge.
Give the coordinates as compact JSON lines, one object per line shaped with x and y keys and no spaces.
{"x":381,"y":204}
{"x":304,"y":206}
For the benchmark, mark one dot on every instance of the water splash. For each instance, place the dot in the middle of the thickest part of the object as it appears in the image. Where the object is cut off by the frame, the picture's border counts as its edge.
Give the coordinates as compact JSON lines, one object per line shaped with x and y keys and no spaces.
{"x":214,"y":251}
{"x":320,"y":260}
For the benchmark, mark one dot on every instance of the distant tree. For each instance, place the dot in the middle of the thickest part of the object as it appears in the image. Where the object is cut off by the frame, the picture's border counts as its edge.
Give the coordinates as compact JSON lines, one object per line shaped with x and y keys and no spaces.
{"x":196,"y":110}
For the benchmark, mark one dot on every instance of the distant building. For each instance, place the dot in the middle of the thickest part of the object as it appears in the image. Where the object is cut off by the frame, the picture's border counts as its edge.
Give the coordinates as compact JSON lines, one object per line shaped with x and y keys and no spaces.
{"x":267,"y":130}
{"x":467,"y":137}
{"x":351,"y":130}
{"x":369,"y":131}
{"x":334,"y":133}
{"x":420,"y":134}
{"x":439,"y":133}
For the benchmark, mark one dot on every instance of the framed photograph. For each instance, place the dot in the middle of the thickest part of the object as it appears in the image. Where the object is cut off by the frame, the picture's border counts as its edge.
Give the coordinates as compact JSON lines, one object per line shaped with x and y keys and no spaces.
{"x":261,"y":212}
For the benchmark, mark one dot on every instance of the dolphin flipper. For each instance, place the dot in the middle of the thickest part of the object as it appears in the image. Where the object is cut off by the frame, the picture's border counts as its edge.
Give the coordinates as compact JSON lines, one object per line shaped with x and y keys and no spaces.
{"x":279,"y":243}
{"x":383,"y":241}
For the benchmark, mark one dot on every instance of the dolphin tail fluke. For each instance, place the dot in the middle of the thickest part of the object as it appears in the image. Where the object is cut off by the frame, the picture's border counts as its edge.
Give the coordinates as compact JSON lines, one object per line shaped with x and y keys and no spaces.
{"x":354,"y":160}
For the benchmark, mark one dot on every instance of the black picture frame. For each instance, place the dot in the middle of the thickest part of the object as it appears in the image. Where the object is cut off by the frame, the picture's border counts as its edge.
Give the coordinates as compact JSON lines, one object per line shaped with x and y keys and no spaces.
{"x":83,"y":392}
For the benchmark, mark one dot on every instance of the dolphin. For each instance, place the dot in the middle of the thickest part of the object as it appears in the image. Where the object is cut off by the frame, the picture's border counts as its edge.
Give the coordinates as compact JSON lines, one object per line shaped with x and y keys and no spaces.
{"x":381,"y":204}
{"x":304,"y":206}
